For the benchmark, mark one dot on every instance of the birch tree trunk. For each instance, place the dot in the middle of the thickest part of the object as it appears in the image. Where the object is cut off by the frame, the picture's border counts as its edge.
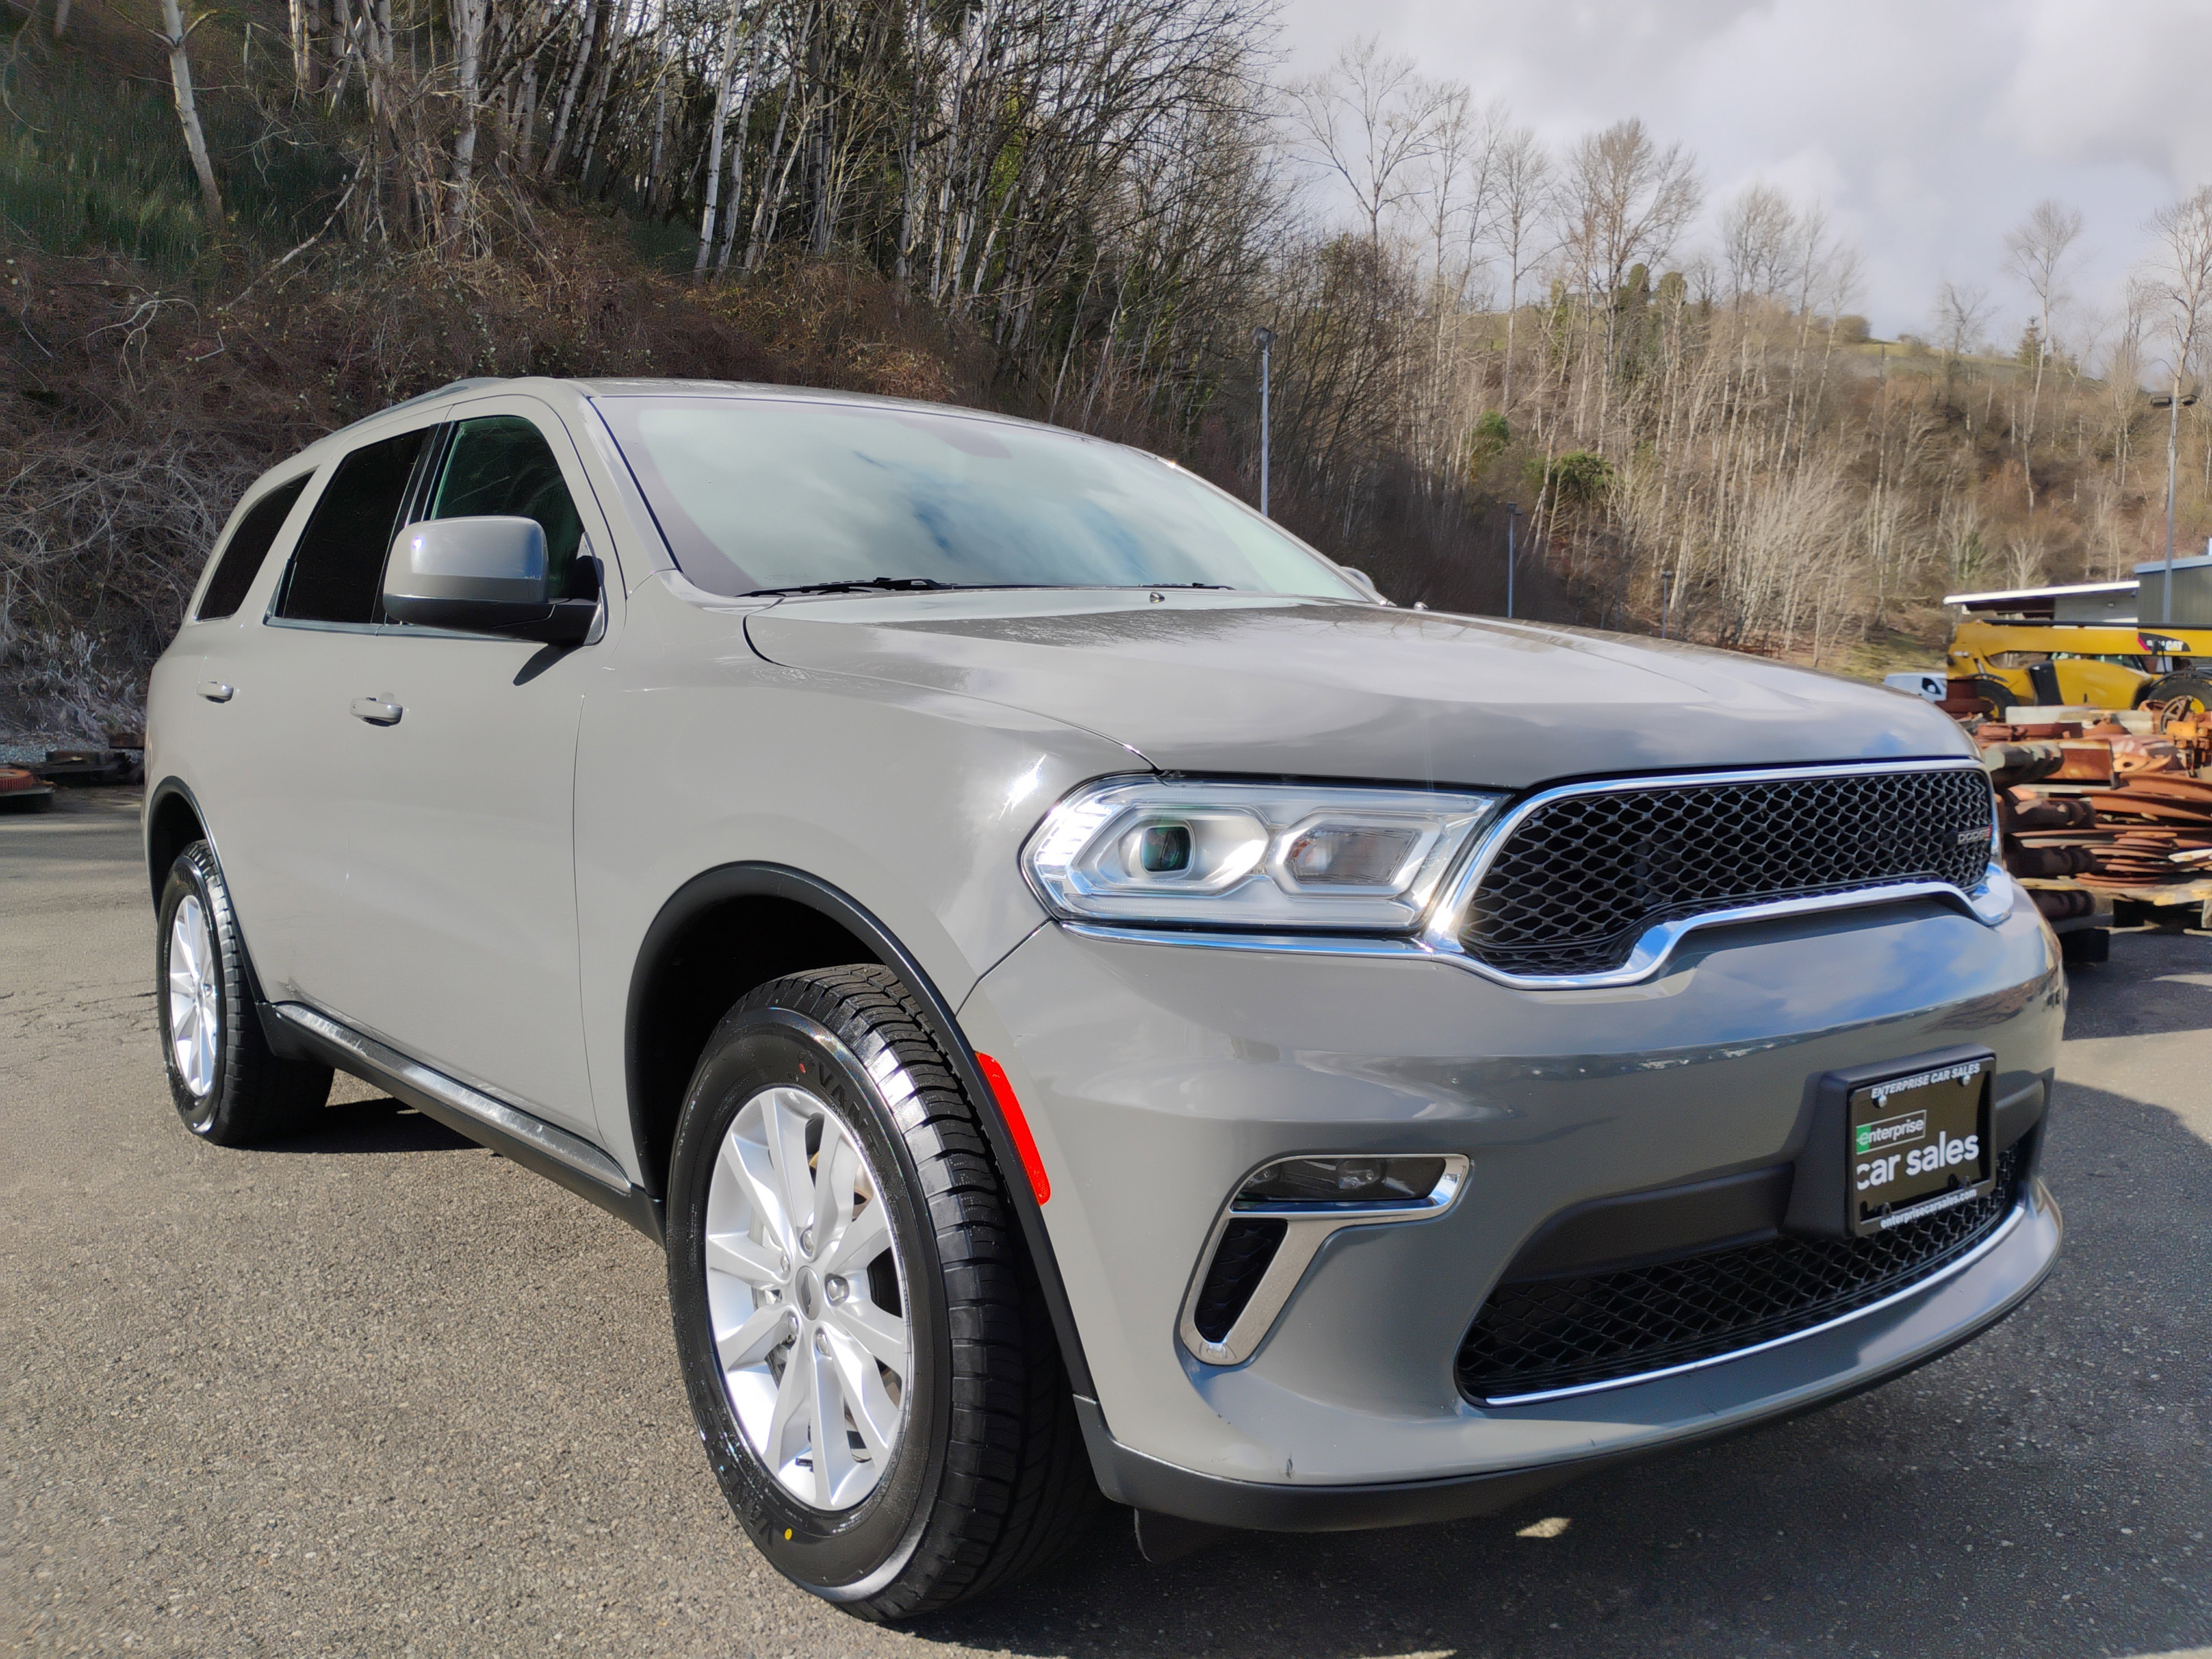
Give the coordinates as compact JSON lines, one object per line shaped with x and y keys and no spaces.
{"x":717,"y":119}
{"x":735,"y":204}
{"x":468,"y":20}
{"x":559,"y":140}
{"x":302,"y":51}
{"x":188,"y":114}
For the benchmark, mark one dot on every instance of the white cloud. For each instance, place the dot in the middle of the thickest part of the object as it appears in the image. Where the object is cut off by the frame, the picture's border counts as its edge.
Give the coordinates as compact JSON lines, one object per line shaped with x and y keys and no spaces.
{"x":1930,"y":127}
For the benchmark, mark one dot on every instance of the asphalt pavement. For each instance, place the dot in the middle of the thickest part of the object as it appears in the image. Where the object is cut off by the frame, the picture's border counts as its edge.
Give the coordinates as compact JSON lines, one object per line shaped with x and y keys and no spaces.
{"x":376,"y":1391}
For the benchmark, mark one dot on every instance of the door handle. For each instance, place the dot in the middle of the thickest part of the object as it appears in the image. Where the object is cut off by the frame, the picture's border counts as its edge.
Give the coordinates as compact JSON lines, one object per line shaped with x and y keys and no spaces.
{"x":376,"y":711}
{"x":215,"y":692}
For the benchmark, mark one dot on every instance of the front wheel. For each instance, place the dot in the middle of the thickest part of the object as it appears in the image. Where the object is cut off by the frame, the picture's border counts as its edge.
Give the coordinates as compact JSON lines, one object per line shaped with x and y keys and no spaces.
{"x":227,"y":1085}
{"x":869,"y":1361}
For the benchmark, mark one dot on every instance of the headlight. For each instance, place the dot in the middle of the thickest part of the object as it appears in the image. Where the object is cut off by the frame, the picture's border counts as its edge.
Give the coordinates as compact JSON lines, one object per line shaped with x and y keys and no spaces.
{"x":1250,"y":855}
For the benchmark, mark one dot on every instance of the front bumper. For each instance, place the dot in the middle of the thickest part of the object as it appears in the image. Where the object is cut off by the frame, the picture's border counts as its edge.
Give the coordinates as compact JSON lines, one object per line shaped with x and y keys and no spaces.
{"x":1155,"y":1077}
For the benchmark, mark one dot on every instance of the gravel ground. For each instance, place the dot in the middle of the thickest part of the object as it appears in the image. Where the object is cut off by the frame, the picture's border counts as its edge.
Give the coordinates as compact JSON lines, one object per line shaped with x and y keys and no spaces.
{"x":376,"y":1391}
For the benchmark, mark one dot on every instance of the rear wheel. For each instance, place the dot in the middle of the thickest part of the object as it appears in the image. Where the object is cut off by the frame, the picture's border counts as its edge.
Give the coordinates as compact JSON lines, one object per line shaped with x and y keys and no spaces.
{"x":2188,"y":686}
{"x":870,"y":1365}
{"x":228,"y":1087}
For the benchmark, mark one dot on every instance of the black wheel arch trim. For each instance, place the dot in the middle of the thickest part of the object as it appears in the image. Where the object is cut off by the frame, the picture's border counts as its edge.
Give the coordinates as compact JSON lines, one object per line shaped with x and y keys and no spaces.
{"x":752,"y":880}
{"x":169,"y":788}
{"x":283,"y":1040}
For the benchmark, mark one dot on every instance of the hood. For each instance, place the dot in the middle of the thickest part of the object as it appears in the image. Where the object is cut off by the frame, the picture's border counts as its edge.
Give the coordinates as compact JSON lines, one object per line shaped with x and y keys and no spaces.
{"x":1232,"y":683}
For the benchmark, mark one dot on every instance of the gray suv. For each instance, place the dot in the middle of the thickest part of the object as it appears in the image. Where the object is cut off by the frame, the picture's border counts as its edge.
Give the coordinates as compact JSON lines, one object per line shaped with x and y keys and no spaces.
{"x":1095,"y":1003}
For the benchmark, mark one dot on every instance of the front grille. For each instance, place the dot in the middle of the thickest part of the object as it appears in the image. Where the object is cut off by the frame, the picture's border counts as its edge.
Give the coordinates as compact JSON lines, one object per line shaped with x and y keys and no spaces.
{"x":1563,"y":1333}
{"x":1580,"y":878}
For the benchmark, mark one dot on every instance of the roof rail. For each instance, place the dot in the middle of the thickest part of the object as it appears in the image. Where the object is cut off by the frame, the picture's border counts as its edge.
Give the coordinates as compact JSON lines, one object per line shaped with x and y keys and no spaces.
{"x":470,"y":383}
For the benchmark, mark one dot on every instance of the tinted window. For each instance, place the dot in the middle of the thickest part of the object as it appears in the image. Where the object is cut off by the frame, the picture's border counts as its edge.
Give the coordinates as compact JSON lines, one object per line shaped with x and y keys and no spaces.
{"x":240,"y":561}
{"x":757,"y":493}
{"x":502,"y":464}
{"x":337,"y":574}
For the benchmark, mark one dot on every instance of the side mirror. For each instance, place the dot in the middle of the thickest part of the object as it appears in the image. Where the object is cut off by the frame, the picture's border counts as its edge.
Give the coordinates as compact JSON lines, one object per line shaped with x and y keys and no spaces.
{"x":481,"y":576}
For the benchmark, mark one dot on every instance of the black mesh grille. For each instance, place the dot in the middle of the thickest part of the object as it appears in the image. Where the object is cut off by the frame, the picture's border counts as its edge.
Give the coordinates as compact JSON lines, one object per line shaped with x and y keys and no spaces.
{"x":1579,"y":879}
{"x":1247,"y":1246}
{"x":1561,"y":1332}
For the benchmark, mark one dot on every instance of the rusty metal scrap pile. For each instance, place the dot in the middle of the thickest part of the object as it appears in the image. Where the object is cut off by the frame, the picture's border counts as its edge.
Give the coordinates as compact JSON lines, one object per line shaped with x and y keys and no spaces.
{"x":2102,"y":805}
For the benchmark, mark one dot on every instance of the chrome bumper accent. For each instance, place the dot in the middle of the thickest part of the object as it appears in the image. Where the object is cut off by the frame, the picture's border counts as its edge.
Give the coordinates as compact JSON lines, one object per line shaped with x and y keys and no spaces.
{"x":1307,"y":1228}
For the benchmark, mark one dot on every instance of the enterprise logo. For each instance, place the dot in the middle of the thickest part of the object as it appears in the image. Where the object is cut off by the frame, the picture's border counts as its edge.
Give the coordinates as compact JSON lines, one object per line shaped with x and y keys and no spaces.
{"x":1892,"y":1131}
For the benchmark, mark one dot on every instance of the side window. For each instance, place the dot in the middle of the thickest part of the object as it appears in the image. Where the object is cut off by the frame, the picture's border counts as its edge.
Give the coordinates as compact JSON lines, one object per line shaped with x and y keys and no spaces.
{"x":240,"y":561}
{"x":337,"y":574}
{"x":501,"y":464}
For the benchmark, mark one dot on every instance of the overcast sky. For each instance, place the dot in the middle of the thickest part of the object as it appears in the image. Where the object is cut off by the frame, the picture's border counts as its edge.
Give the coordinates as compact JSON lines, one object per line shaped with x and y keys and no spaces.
{"x":1930,"y":127}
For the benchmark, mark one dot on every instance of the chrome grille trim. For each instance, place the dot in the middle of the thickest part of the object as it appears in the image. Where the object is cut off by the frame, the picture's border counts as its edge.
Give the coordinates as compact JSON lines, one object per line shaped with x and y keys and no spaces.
{"x":1989,"y":902}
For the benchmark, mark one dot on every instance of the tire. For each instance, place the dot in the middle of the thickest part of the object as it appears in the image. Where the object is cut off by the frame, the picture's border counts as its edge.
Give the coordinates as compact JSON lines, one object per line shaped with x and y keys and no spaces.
{"x":228,"y":1087}
{"x":971,"y":1470}
{"x":1994,"y":692}
{"x":2196,"y":687}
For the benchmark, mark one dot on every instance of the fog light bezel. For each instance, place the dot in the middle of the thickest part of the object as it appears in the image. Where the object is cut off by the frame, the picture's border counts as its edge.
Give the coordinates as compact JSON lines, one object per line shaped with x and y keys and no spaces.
{"x":1308,"y":1225}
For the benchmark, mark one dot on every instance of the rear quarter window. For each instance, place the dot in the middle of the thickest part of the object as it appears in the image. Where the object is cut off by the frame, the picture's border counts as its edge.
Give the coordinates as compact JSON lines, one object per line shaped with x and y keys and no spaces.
{"x":239,"y":560}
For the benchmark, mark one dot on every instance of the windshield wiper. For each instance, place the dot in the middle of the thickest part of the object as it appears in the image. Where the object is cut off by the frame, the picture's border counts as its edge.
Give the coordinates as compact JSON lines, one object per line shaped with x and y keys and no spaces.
{"x":872,"y":585}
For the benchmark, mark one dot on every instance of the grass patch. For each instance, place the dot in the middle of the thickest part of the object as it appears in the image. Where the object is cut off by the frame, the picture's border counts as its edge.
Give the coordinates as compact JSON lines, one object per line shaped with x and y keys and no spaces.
{"x":92,"y":161}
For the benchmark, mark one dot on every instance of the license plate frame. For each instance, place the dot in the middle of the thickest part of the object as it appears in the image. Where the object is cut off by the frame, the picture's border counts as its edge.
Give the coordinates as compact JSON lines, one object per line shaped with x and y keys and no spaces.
{"x":1917,"y":1142}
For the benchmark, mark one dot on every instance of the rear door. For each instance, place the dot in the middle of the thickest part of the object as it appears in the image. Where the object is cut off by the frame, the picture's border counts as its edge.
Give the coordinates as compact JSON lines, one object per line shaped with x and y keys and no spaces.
{"x":458,"y":943}
{"x":275,"y":754}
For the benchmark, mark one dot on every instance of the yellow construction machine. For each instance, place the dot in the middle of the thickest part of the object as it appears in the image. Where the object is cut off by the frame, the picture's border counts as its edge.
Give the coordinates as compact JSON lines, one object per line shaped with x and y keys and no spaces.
{"x":2087,"y":645}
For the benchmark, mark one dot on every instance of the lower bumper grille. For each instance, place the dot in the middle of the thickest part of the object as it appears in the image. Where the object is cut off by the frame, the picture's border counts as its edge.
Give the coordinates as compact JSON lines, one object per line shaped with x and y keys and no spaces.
{"x":1569,"y":1332}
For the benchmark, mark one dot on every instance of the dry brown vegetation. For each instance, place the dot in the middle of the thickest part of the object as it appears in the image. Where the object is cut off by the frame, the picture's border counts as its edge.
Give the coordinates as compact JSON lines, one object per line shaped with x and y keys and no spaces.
{"x":1076,"y":210}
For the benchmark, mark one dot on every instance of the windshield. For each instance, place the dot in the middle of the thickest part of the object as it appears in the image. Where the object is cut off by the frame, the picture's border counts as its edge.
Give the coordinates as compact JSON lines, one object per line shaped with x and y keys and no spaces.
{"x":764,"y":495}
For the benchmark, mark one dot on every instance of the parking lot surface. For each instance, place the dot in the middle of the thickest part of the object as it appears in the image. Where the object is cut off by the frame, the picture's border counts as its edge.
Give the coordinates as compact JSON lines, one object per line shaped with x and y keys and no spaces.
{"x":376,"y":1391}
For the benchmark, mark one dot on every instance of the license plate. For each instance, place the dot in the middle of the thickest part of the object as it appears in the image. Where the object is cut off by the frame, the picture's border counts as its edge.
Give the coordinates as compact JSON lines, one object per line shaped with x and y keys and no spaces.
{"x":1918,"y":1144}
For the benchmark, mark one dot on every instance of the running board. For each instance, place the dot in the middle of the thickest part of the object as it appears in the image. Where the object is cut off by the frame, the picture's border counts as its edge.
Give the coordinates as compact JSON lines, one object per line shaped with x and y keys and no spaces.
{"x":567,"y":1158}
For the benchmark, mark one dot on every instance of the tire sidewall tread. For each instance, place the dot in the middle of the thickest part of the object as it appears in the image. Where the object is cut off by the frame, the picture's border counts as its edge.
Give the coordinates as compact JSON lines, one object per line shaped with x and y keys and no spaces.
{"x":995,"y":1497}
{"x":257,"y":1095}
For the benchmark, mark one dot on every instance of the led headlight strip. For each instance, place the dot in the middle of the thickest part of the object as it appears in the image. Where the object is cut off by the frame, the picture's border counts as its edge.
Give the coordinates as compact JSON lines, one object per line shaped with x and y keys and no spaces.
{"x":1195,"y":852}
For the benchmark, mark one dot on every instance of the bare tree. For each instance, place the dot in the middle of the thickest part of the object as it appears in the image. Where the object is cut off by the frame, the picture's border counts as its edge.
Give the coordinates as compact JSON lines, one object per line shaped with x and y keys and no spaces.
{"x":2179,"y":277}
{"x":1626,"y":201}
{"x":2036,"y":253}
{"x":1524,"y":205}
{"x":1460,"y":186}
{"x":1370,"y":118}
{"x":1760,"y":244}
{"x":1961,"y":319}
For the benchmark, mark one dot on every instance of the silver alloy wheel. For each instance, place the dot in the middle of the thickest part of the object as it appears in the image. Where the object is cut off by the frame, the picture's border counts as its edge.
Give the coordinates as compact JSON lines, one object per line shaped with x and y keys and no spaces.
{"x":798,"y":1253}
{"x":195,"y":1002}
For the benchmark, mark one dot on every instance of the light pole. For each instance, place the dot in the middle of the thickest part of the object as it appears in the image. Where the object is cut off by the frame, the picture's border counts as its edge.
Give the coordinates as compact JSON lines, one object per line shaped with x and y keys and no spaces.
{"x":1511,"y":514}
{"x":1265,"y":339}
{"x":2173,"y":404}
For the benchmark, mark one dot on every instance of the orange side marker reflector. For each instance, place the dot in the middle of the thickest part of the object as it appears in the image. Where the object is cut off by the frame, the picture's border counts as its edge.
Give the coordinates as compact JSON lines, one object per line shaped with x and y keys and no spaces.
{"x":1017,"y":1126}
